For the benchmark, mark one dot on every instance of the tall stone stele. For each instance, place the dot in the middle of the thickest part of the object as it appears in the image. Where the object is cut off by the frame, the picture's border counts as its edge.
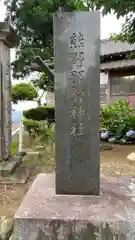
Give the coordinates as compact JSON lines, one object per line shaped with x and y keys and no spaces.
{"x":8,"y":39}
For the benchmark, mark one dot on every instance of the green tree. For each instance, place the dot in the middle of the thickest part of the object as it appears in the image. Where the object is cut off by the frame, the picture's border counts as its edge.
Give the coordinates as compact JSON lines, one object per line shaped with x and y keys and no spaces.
{"x":33,"y":21}
{"x":23,"y":91}
{"x":42,"y":85}
{"x":125,"y":9}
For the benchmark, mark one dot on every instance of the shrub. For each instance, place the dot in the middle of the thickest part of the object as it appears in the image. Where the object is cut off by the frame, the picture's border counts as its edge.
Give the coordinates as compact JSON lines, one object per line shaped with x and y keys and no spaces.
{"x":118,"y":117}
{"x":34,"y":127}
{"x":23,"y":91}
{"x":51,"y":133}
{"x":41,"y":114}
{"x":38,"y":128}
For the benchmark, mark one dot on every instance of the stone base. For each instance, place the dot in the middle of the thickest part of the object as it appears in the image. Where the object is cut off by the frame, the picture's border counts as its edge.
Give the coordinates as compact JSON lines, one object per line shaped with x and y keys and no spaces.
{"x":20,"y":176}
{"x":45,"y":215}
{"x":16,"y":170}
{"x":8,"y":167}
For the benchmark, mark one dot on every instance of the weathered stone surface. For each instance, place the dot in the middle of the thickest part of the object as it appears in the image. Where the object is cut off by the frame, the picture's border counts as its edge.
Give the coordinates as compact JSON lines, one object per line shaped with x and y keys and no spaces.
{"x":131,"y":156}
{"x":9,"y":166}
{"x":77,"y":99}
{"x":34,"y":153}
{"x":21,"y":154}
{"x":110,"y":216}
{"x":6,"y":228}
{"x":11,"y":238}
{"x":20,"y":176}
{"x":40,"y":147}
{"x":7,"y":40}
{"x":23,"y":171}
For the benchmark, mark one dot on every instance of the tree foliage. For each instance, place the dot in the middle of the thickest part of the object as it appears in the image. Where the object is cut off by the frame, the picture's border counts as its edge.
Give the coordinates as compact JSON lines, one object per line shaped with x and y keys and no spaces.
{"x":41,"y":113}
{"x":42,"y":85}
{"x":125,"y":9}
{"x":23,"y":91}
{"x":33,"y":21}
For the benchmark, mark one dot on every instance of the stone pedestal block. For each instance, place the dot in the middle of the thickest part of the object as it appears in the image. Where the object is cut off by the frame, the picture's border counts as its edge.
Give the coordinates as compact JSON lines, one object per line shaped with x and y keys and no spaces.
{"x":45,"y":215}
{"x":8,"y":167}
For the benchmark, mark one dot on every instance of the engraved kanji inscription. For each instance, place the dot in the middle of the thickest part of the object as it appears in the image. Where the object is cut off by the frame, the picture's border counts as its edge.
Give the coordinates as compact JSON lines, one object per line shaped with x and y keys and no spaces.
{"x":81,"y":129}
{"x":72,"y":74}
{"x":77,"y":40}
{"x":81,"y":111}
{"x":73,"y":113}
{"x":81,"y":39}
{"x":74,"y":92}
{"x":80,"y":59}
{"x":81,"y":96}
{"x":77,"y":59}
{"x":82,"y":93}
{"x":76,"y":75}
{"x":73,"y":41}
{"x":73,"y":130}
{"x":81,"y":74}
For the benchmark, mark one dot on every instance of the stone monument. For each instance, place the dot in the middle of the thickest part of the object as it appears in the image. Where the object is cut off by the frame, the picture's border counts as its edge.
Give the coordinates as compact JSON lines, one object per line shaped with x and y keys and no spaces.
{"x":77,"y":207}
{"x":8,"y":39}
{"x":77,"y":97}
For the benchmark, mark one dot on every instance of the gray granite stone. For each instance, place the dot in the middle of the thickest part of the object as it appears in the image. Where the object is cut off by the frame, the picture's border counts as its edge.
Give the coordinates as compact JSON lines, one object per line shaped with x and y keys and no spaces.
{"x":8,"y":39}
{"x":77,"y":98}
{"x":8,"y":167}
{"x":110,"y":216}
{"x":6,"y":228}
